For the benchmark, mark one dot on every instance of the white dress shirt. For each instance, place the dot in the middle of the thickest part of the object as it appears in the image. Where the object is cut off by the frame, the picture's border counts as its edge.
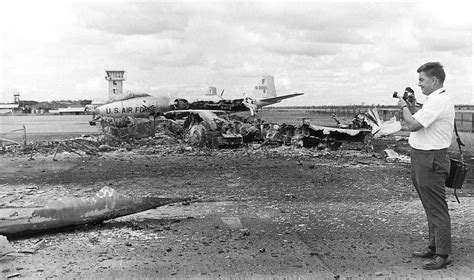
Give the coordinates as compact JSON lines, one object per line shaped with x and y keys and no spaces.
{"x":437,"y":118}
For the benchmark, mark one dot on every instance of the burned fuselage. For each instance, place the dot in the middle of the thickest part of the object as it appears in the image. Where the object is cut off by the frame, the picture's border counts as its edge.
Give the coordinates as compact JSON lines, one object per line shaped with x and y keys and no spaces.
{"x":154,"y":106}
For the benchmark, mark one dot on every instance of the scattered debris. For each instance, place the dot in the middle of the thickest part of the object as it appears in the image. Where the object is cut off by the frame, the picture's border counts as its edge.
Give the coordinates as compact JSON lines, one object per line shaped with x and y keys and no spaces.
{"x":379,"y":127}
{"x":16,"y":274}
{"x":232,"y":222}
{"x":5,"y":247}
{"x":245,"y":231}
{"x":395,"y":157}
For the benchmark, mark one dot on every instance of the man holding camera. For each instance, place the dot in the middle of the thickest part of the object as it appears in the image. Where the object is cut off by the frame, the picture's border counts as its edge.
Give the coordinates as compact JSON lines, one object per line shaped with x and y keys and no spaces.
{"x":431,"y":131}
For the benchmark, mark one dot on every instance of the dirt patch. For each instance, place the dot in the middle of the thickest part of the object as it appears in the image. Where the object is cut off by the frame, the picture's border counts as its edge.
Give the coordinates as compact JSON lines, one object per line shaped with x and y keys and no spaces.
{"x":258,"y":212}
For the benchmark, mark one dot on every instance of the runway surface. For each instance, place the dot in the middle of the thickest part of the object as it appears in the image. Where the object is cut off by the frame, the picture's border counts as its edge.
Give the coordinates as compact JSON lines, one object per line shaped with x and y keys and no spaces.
{"x":45,"y":127}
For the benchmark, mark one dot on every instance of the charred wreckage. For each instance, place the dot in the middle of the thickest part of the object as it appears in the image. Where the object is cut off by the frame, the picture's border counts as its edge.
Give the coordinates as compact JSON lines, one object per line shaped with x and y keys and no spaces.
{"x":204,"y":128}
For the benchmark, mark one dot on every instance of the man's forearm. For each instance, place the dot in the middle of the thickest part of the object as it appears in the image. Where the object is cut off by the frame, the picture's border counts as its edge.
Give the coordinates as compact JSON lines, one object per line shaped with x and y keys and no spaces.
{"x":411,"y":124}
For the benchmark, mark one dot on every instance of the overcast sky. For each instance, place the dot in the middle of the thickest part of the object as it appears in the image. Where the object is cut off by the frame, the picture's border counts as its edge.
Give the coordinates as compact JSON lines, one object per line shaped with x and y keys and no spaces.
{"x":346,"y":52}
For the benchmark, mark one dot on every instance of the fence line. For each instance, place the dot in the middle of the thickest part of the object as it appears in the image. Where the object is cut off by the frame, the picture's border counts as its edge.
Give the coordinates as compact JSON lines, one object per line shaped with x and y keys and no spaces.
{"x":3,"y":135}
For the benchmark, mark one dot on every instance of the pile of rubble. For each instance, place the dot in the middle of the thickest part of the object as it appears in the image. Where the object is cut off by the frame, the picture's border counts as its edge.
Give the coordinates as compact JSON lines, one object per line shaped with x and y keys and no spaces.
{"x":206,"y":129}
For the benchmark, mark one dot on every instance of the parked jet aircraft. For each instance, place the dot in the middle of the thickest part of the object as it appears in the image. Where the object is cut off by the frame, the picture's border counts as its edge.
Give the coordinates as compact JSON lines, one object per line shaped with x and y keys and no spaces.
{"x":146,"y":105}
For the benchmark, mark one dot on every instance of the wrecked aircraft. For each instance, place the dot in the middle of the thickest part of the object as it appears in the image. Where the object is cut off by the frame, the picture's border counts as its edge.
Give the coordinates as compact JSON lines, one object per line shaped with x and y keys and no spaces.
{"x":206,"y":128}
{"x":146,"y":105}
{"x":106,"y":205}
{"x":331,"y":137}
{"x":122,"y":117}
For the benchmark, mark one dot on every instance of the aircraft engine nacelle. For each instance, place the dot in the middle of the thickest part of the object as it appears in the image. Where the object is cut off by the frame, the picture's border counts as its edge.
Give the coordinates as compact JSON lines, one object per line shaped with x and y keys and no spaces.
{"x":90,"y":108}
{"x":251,"y":104}
{"x":181,"y":104}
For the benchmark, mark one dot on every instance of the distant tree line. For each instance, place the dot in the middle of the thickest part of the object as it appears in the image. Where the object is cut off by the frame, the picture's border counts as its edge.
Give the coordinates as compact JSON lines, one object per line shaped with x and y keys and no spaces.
{"x":53,"y":104}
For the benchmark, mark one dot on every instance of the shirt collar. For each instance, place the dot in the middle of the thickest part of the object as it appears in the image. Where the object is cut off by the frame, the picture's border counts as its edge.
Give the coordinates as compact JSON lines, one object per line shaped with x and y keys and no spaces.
{"x":438,"y":91}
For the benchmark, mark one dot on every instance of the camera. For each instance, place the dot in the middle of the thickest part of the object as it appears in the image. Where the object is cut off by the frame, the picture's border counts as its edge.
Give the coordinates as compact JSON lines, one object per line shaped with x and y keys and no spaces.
{"x":408,"y":95}
{"x":398,"y":95}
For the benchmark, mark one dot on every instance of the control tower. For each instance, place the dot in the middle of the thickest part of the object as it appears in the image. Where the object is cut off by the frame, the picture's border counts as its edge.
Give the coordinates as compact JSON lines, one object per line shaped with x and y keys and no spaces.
{"x":211,"y":91}
{"x":16,"y":98}
{"x":115,"y":78}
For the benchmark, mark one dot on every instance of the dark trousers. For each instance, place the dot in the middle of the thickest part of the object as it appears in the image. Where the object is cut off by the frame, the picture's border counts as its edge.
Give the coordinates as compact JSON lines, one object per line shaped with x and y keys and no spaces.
{"x":429,"y":170}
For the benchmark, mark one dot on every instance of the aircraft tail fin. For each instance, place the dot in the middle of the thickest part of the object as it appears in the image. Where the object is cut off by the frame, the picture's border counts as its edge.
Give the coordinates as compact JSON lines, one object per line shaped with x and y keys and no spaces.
{"x":265,"y":87}
{"x":211,"y":91}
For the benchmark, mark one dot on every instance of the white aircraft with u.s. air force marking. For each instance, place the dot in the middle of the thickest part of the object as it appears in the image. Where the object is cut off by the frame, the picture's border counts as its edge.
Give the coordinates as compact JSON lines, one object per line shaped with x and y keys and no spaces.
{"x":145,"y":105}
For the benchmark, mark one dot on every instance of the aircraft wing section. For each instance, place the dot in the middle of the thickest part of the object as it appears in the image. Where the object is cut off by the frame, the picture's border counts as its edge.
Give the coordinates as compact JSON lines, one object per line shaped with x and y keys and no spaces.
{"x":178,"y":114}
{"x":281,"y":97}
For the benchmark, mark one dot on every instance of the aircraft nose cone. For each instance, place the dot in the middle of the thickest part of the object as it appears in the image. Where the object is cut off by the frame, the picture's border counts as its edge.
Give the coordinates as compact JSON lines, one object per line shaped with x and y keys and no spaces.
{"x":96,"y":111}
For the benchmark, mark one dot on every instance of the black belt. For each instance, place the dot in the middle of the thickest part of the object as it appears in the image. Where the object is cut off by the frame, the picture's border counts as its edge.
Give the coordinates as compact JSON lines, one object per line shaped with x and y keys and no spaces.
{"x":427,"y":151}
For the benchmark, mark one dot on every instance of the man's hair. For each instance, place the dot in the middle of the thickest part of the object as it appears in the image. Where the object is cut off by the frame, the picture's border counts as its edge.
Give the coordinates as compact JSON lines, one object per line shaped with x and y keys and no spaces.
{"x":433,"y":69}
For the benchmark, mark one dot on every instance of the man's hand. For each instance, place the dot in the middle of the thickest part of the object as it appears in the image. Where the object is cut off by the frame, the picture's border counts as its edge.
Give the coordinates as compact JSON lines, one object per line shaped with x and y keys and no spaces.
{"x":411,"y":124}
{"x":401,"y":103}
